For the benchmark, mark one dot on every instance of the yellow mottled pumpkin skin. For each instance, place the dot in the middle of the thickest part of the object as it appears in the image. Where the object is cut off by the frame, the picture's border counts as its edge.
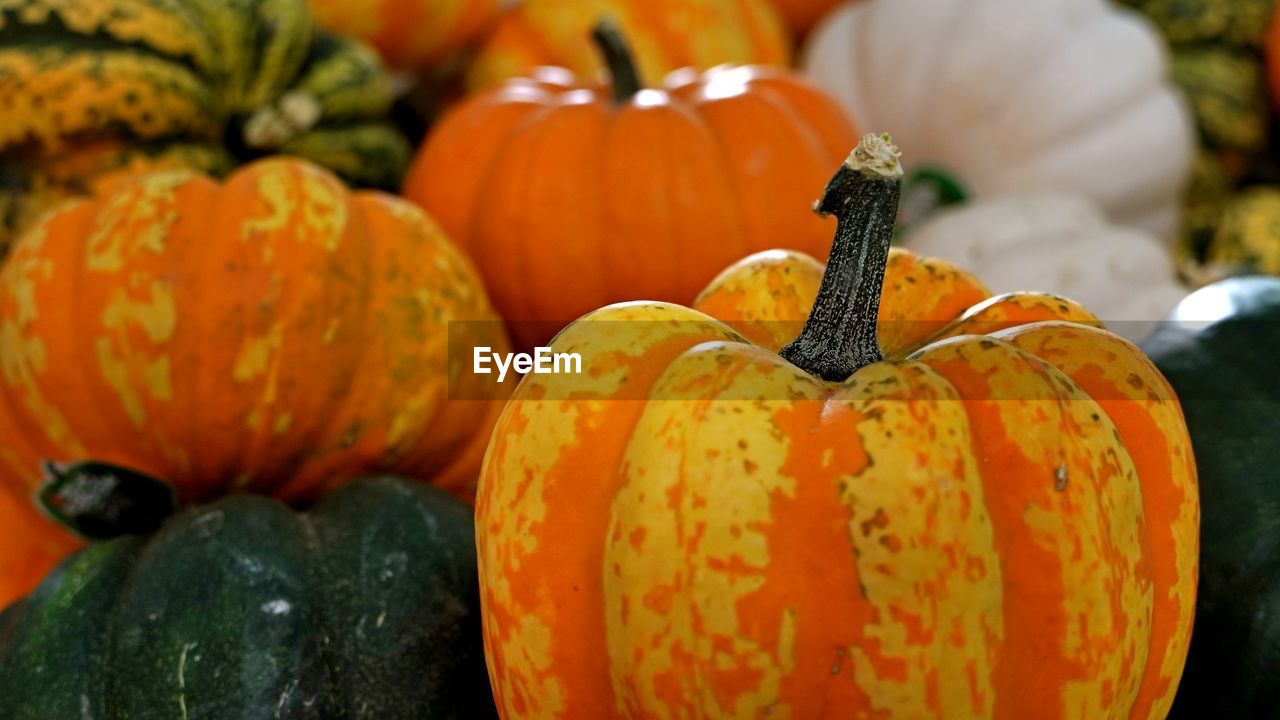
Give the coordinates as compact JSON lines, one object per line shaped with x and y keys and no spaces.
{"x":665,"y":35}
{"x":1000,"y":521}
{"x":244,"y":78}
{"x":276,"y":334}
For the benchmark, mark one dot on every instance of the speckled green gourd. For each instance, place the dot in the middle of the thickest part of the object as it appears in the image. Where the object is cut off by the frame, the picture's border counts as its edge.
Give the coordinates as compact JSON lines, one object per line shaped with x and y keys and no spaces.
{"x":247,"y":78}
{"x":1247,"y":238}
{"x":1227,"y":93}
{"x":1216,"y":58}
{"x":366,"y":606}
{"x":1184,"y":22}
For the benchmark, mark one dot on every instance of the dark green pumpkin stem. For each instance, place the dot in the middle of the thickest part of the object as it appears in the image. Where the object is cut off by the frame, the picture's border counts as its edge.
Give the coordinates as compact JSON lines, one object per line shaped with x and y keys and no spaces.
{"x":623,"y":75}
{"x":840,"y":336}
{"x":100,"y":501}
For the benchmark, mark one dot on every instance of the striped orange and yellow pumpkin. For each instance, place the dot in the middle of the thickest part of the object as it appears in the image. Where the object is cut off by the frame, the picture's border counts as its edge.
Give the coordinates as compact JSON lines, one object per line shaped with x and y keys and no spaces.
{"x":276,"y":333}
{"x":987,"y":508}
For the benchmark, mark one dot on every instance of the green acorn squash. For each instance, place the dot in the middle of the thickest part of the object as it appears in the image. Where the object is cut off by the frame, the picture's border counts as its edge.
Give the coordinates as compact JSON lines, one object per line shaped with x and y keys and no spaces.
{"x":366,"y":606}
{"x":1219,"y":352}
{"x":237,"y":79}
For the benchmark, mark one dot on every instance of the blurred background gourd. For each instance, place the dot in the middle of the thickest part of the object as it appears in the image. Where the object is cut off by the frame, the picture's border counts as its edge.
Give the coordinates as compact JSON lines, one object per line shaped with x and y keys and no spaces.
{"x":1220,"y":63}
{"x":1074,"y":92}
{"x":570,"y":194}
{"x":1064,"y":243}
{"x":665,"y":35}
{"x":413,"y":35}
{"x":97,"y":91}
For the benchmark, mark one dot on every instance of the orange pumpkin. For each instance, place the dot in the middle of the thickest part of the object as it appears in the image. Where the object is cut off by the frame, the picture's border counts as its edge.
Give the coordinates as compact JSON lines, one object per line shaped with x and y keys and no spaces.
{"x":275,"y":333}
{"x":802,"y":15}
{"x":93,"y":167}
{"x":569,"y":197}
{"x":411,"y":34}
{"x":1271,"y":45}
{"x":668,"y":35}
{"x":989,"y":511}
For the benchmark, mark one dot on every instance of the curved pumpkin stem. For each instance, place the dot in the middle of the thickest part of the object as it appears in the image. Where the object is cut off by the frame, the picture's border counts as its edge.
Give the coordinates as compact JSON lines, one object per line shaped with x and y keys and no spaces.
{"x":839,"y":337}
{"x":624,"y":77}
{"x":98,"y":501}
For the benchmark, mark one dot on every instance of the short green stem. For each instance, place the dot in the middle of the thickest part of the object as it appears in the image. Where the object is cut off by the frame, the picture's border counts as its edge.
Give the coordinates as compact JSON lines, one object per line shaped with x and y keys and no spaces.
{"x":624,"y":77}
{"x":839,"y":337}
{"x":99,"y":501}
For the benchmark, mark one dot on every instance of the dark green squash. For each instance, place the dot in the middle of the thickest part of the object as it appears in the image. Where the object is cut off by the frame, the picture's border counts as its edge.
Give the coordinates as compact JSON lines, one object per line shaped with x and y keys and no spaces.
{"x":1227,"y":376}
{"x":366,"y":606}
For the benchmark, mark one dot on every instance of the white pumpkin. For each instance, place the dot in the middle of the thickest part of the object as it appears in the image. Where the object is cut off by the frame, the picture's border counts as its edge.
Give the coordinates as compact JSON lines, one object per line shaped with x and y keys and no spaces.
{"x":1062,"y":244}
{"x":1074,"y":92}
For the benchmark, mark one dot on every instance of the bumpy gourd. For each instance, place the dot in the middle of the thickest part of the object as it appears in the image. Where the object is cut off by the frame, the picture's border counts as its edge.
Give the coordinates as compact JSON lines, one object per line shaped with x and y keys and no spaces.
{"x":238,"y":80}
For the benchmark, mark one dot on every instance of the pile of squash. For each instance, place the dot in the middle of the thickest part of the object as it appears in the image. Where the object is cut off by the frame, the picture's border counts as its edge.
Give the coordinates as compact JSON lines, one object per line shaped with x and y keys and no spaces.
{"x":935,"y":444}
{"x":1224,"y":56}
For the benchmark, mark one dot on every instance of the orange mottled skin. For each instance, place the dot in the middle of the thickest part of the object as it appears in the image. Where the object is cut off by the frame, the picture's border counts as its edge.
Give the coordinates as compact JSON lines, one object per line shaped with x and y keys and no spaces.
{"x":999,"y":520}
{"x":276,"y":333}
{"x":802,"y":15}
{"x":409,"y":34}
{"x":667,"y":35}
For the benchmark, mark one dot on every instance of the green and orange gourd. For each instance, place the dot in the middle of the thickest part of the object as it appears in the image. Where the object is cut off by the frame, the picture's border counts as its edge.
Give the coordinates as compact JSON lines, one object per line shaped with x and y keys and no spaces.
{"x":931,"y":503}
{"x":94,"y":91}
